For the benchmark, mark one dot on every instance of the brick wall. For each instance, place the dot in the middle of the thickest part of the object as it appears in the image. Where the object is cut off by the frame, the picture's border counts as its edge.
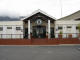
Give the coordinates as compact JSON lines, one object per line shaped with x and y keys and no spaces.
{"x":45,"y":41}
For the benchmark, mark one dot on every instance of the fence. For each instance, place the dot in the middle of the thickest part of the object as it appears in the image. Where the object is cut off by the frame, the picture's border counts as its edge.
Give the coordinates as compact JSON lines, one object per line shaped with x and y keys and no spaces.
{"x":67,"y":35}
{"x":11,"y":36}
{"x":20,"y":36}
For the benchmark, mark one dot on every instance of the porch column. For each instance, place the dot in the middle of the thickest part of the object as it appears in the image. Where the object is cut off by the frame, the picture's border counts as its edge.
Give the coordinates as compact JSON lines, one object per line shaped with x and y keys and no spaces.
{"x":49,"y":29}
{"x":74,"y":31}
{"x":29,"y":29}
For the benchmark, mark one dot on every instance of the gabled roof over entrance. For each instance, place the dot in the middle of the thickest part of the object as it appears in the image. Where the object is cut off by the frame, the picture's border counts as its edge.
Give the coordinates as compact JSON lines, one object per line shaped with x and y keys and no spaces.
{"x":39,"y":13}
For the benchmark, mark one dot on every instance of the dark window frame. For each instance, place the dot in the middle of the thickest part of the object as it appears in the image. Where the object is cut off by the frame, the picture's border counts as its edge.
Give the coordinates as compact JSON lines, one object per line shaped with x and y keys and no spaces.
{"x":18,"y":28}
{"x":60,"y":28}
{"x":77,"y":27}
{"x":1,"y":28}
{"x":69,"y":27}
{"x":9,"y":27}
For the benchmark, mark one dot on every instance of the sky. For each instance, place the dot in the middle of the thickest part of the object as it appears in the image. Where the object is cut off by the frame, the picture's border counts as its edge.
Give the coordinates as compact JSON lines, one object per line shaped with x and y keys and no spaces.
{"x":26,"y":7}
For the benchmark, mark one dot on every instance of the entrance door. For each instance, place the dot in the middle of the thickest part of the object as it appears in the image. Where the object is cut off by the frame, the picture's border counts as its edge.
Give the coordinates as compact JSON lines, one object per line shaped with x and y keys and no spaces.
{"x":26,"y":33}
{"x":39,"y":32}
{"x":52,"y":33}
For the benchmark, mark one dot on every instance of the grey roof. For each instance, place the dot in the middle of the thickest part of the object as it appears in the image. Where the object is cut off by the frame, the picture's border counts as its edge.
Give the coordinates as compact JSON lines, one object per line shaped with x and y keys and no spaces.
{"x":74,"y":16}
{"x":7,"y":18}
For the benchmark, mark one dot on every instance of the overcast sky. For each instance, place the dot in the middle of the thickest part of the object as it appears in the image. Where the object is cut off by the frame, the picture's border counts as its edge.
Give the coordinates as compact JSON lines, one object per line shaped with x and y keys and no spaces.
{"x":51,"y":7}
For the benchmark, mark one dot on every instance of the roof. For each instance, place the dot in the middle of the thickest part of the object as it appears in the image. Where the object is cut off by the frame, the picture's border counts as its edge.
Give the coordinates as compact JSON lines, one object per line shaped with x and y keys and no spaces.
{"x":7,"y":18}
{"x":73,"y":16}
{"x":37,"y":11}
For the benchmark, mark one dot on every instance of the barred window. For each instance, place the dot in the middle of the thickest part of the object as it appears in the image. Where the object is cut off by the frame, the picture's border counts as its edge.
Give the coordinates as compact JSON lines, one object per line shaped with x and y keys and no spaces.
{"x":18,"y":28}
{"x":9,"y":27}
{"x":59,"y":28}
{"x":1,"y":28}
{"x":68,"y":26}
{"x":76,"y":27}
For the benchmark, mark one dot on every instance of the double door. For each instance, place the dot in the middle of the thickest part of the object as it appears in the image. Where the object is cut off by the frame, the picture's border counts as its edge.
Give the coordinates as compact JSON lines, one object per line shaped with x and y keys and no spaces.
{"x":39,"y":32}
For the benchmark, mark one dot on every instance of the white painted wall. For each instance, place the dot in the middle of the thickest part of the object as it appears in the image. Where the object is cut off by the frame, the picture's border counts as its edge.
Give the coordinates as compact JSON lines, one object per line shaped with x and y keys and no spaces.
{"x":14,"y":24}
{"x":64,"y":24}
{"x":15,"y":33}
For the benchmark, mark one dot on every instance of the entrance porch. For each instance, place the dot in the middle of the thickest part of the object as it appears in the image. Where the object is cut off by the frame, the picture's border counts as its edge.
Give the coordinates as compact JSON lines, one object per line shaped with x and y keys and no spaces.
{"x":39,"y":26}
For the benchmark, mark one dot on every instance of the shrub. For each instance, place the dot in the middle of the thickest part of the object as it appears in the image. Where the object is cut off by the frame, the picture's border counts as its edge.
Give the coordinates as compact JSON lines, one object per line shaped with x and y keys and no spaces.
{"x":60,"y":32}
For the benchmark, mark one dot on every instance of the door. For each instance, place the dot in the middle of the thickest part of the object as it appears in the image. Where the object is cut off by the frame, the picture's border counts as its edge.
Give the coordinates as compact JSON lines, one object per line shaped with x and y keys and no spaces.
{"x":26,"y":33}
{"x":39,"y":32}
{"x":52,"y":33}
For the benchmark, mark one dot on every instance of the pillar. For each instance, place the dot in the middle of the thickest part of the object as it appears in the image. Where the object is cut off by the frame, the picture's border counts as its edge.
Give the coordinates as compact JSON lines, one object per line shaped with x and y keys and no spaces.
{"x":74,"y":31}
{"x":49,"y":29}
{"x":29,"y":29}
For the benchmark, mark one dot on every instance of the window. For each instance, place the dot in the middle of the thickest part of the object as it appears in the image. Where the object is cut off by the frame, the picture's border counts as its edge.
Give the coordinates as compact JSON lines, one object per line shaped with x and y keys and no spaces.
{"x":1,"y":28}
{"x":18,"y":28}
{"x":77,"y":19}
{"x":59,"y":28}
{"x":9,"y":27}
{"x":69,"y":29}
{"x":39,"y":21}
{"x":68,"y":26}
{"x":76,"y":27}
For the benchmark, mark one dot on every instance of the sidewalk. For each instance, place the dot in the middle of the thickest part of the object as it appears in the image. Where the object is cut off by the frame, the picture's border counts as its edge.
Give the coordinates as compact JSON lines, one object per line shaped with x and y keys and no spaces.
{"x":46,"y":45}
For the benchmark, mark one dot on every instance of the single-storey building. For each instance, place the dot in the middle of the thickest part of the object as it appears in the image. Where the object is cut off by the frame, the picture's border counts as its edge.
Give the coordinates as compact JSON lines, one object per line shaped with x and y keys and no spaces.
{"x":41,"y":25}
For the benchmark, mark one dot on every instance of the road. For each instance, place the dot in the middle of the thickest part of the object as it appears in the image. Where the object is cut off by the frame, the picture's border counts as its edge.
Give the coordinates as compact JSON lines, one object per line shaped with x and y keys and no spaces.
{"x":40,"y":52}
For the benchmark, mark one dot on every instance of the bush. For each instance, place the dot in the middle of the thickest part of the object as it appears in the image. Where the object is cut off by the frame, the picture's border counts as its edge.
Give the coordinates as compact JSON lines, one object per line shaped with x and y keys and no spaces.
{"x":60,"y":32}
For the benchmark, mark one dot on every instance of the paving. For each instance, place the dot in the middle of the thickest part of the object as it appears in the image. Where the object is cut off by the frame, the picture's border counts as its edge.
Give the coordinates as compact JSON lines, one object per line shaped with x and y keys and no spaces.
{"x":23,"y":52}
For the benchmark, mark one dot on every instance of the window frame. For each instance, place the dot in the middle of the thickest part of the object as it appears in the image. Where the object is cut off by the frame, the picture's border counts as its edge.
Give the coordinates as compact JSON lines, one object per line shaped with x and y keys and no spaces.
{"x":1,"y":28}
{"x":9,"y":27}
{"x":60,"y":27}
{"x":69,"y":27}
{"x":18,"y":28}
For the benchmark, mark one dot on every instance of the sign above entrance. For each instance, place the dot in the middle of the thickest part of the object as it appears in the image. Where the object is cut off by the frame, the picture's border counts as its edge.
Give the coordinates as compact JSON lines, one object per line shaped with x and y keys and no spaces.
{"x":39,"y":21}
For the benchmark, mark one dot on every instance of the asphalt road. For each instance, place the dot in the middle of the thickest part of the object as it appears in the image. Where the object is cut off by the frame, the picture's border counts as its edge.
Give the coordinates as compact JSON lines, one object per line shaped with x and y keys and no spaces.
{"x":39,"y":52}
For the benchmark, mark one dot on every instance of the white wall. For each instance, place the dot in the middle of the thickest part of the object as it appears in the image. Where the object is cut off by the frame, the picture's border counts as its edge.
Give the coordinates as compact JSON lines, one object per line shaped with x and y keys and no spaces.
{"x":15,"y":24}
{"x":11,"y":33}
{"x":64,"y":24}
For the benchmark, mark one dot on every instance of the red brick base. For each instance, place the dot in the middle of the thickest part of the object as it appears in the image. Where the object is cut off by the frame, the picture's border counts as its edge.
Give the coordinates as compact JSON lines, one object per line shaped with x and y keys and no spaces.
{"x":45,"y":41}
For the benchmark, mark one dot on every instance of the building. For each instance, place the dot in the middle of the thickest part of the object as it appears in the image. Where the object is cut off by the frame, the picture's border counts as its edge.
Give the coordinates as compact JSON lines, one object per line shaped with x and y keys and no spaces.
{"x":41,"y":25}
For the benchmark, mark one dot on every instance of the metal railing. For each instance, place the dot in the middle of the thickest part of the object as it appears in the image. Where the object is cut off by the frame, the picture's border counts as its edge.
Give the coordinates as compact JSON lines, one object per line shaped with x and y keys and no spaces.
{"x":11,"y":36}
{"x":67,"y":35}
{"x":21,"y":36}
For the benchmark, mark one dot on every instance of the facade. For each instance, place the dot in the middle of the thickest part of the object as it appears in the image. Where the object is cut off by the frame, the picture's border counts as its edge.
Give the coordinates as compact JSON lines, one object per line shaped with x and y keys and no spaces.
{"x":41,"y":25}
